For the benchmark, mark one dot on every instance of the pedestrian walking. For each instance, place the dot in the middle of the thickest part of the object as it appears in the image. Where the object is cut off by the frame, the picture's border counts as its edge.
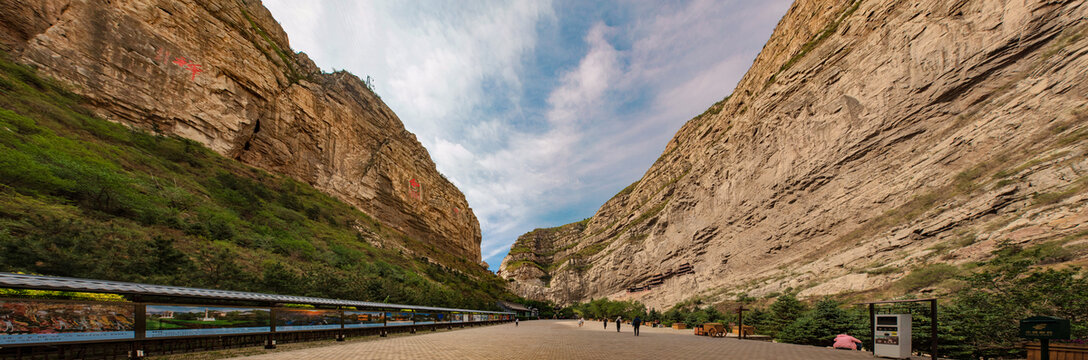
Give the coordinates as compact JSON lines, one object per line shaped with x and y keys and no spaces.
{"x":636,"y":323}
{"x":581,"y":321}
{"x":618,"y":320}
{"x":605,"y":321}
{"x":515,"y":322}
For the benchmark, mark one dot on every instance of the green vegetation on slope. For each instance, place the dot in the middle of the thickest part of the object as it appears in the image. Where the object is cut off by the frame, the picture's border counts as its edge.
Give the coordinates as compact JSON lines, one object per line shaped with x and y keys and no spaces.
{"x":292,"y":75}
{"x":84,"y":197}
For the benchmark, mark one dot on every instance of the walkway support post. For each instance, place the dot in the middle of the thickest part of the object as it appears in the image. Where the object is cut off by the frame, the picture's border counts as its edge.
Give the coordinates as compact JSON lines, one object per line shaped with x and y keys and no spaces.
{"x":872,"y":328}
{"x":139,"y":327}
{"x":933,"y":328}
{"x":271,"y":342}
{"x":340,"y":332}
{"x":740,"y":321}
{"x":385,"y":324}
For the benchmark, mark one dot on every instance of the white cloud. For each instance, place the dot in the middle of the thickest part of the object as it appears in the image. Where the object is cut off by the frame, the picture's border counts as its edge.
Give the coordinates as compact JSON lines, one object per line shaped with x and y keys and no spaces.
{"x":583,"y":88}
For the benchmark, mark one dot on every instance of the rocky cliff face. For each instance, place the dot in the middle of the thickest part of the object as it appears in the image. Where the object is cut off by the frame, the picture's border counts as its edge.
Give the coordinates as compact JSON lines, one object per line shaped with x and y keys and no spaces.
{"x":869,"y":139}
{"x":222,"y":73}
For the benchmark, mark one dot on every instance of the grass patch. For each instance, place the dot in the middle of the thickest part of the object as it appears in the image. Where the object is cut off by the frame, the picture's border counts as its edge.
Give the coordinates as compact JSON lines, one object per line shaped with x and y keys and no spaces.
{"x":624,"y":192}
{"x":637,"y":238}
{"x":1064,"y":42}
{"x":904,"y":213}
{"x":1054,"y":197}
{"x":591,"y":250}
{"x":926,"y":276}
{"x":713,"y":109}
{"x":1050,"y":252}
{"x":520,"y":250}
{"x":521,"y":263}
{"x":966,"y":240}
{"x":665,"y":186}
{"x":603,"y":229}
{"x":940,"y":248}
{"x":557,"y":250}
{"x":1031,"y":163}
{"x":883,"y":270}
{"x":645,"y":216}
{"x":1074,"y":137}
{"x":1075,"y":236}
{"x":292,"y":74}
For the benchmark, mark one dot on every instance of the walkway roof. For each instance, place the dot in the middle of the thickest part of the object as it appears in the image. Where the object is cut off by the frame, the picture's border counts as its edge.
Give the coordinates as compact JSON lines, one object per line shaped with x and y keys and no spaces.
{"x":512,"y":306}
{"x":36,"y":282}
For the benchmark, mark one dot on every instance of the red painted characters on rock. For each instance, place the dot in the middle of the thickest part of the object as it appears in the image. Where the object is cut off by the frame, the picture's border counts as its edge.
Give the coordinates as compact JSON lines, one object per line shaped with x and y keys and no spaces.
{"x":414,"y":188}
{"x":163,"y":56}
{"x":194,"y":68}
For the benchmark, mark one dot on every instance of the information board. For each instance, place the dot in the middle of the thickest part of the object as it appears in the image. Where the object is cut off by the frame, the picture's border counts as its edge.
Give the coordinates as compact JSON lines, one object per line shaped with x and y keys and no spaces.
{"x":424,"y":318}
{"x":399,"y":318}
{"x":43,"y":321}
{"x":306,"y":319}
{"x":358,"y":319}
{"x":175,"y":320}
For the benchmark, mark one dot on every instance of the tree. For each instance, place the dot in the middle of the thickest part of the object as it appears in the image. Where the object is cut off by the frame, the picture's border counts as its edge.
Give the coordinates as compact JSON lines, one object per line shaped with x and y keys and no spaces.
{"x":166,"y":259}
{"x":278,"y":279}
{"x":820,"y":325}
{"x":986,"y":312}
{"x":784,"y":311}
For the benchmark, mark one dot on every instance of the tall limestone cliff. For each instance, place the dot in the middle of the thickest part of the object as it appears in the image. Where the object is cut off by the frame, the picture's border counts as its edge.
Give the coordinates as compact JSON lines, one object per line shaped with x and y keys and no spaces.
{"x":870,"y":139}
{"x":222,"y":73}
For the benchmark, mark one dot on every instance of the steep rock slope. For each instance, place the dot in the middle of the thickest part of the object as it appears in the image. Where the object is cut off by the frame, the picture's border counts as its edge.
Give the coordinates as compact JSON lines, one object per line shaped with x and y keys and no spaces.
{"x":222,"y":73}
{"x":869,"y":139}
{"x":81,"y":196}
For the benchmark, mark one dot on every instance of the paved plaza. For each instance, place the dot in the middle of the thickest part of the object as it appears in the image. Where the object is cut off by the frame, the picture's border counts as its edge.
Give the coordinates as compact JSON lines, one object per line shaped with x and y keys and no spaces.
{"x":563,"y":339}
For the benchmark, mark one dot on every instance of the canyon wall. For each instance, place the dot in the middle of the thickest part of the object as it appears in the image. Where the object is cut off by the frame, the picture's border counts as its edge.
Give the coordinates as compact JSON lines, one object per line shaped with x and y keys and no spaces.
{"x":870,"y":139}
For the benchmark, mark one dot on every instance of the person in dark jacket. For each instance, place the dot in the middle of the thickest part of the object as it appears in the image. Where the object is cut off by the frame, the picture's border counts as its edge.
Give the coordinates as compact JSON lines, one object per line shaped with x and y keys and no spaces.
{"x":605,"y":322}
{"x":619,"y":319}
{"x":636,"y":322}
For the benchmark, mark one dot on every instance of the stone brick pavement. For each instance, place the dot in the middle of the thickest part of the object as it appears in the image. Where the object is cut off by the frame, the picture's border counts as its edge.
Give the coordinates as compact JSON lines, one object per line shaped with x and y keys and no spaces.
{"x":563,"y":339}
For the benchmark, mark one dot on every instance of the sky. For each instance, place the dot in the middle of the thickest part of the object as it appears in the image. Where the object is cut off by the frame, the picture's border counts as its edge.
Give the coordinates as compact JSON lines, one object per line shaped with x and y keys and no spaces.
{"x":538,"y":110}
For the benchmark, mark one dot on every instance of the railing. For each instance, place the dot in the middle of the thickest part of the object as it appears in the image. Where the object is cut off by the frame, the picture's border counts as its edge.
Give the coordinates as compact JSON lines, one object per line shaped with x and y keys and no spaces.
{"x":203,"y":320}
{"x":1062,"y":351}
